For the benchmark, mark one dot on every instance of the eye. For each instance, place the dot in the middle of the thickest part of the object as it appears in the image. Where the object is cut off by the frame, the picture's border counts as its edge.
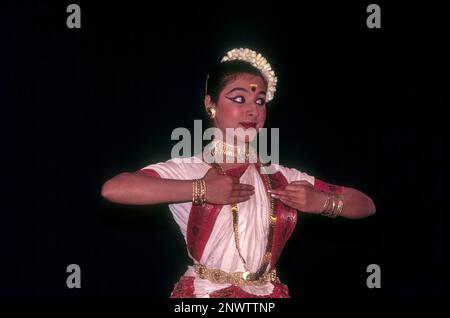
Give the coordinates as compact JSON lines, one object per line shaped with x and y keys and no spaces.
{"x":260,"y":101}
{"x":237,"y":99}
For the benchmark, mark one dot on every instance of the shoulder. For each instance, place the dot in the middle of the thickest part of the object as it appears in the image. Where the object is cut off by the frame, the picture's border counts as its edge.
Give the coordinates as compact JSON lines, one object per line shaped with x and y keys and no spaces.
{"x":179,"y":168}
{"x":291,"y":174}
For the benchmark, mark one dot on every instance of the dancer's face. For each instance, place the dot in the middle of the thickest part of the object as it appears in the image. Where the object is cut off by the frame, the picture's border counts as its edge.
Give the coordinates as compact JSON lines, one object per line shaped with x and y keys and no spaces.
{"x":241,"y":104}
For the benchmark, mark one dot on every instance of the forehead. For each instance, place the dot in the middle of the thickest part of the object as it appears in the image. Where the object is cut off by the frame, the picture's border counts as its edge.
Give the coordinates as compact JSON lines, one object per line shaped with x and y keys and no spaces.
{"x":244,"y":81}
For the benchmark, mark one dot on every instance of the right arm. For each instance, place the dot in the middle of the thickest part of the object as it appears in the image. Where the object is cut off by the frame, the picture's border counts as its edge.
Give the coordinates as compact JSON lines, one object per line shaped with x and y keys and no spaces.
{"x":139,"y":188}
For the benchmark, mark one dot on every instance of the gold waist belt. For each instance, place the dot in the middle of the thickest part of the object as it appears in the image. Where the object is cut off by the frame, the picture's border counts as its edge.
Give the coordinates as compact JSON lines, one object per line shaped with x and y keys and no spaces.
{"x":219,"y":276}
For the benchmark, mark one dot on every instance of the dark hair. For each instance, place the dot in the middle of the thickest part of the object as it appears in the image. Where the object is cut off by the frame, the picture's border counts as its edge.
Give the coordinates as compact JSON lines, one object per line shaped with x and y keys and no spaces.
{"x":222,"y":73}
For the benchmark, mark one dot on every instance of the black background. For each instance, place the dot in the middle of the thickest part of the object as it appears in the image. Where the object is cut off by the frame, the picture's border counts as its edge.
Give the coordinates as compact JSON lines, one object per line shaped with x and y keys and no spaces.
{"x":355,"y":106}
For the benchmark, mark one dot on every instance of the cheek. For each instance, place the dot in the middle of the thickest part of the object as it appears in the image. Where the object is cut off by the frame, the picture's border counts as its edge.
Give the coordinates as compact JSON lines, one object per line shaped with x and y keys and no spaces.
{"x":262,"y":115}
{"x":229,"y":112}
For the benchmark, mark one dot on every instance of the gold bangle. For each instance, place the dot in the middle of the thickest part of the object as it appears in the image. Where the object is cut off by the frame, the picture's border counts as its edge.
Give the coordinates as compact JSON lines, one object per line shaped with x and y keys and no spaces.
{"x":203,"y":191}
{"x":330,"y":206}
{"x":336,"y":207}
{"x":196,"y":192}
{"x":200,"y":192}
{"x":324,"y":205}
{"x":340,"y":206}
{"x":193,"y":191}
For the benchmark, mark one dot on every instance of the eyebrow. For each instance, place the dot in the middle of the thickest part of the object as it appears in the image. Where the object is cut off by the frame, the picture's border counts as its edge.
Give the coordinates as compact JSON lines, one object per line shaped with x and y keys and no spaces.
{"x":243,"y":89}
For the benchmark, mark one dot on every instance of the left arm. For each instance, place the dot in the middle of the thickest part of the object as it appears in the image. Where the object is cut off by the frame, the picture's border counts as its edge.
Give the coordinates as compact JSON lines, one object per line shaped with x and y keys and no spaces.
{"x":301,"y":195}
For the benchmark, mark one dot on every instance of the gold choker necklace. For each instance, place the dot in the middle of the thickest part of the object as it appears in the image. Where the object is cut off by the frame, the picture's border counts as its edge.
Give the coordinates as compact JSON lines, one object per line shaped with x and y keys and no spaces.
{"x":243,"y":154}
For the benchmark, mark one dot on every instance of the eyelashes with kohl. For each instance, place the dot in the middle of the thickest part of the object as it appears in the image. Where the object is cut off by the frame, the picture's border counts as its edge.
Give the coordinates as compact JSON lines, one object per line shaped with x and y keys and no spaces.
{"x":241,"y":100}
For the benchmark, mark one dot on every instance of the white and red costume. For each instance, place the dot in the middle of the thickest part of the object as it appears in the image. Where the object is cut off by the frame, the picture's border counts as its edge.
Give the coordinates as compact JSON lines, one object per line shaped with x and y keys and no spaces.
{"x":208,"y":229}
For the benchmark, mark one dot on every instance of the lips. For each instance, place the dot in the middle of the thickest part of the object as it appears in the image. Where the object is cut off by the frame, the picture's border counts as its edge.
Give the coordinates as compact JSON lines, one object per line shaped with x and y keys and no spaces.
{"x":248,"y":125}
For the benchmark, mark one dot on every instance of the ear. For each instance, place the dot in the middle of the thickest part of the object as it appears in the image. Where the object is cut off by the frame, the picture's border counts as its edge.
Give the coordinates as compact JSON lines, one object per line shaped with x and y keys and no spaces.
{"x":208,"y":102}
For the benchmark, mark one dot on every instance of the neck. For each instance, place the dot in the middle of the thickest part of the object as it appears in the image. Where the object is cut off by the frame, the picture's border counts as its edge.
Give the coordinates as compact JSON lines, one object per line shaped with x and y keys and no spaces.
{"x":226,"y":154}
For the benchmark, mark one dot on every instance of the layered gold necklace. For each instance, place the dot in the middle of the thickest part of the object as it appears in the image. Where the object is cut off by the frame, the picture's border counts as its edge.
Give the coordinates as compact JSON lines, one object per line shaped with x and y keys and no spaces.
{"x":247,"y":275}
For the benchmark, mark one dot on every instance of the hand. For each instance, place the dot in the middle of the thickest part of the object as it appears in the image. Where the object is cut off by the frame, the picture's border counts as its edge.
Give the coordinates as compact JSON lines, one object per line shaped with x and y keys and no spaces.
{"x":223,"y":190}
{"x":301,"y":195}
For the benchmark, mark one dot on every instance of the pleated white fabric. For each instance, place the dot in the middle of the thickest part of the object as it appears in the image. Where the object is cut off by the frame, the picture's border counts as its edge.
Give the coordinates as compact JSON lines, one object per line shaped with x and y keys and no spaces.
{"x":220,"y":251}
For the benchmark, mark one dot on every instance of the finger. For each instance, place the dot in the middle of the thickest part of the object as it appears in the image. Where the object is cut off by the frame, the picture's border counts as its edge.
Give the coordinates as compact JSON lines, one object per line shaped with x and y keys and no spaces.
{"x":247,"y":184}
{"x":290,"y":203}
{"x":287,"y":188}
{"x":240,"y":193}
{"x":276,"y":191}
{"x":283,"y":192}
{"x":235,"y":179}
{"x":297,"y":187}
{"x":293,"y":203}
{"x":285,"y":197}
{"x":304,"y":182}
{"x":242,"y":186}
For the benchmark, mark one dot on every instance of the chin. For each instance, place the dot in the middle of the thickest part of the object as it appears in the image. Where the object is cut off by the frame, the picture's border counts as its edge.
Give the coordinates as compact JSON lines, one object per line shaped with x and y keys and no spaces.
{"x":250,"y":135}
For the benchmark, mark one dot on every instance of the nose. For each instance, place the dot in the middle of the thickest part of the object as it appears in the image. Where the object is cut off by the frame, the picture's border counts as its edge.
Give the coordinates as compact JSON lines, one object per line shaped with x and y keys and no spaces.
{"x":252,"y":110}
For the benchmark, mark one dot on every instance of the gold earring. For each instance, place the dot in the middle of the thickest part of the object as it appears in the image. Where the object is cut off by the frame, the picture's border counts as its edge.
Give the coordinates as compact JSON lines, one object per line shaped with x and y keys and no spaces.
{"x":211,"y":112}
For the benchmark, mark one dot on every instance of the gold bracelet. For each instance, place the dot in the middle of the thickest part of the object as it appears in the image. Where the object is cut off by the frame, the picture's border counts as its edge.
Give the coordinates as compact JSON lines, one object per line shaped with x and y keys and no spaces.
{"x":198,"y":191}
{"x":195,"y":187}
{"x":328,"y":211}
{"x":336,"y":207}
{"x":193,"y":191}
{"x":325,"y":204}
{"x":200,"y":195}
{"x":203,"y":191}
{"x":340,"y":206}
{"x":333,"y":209}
